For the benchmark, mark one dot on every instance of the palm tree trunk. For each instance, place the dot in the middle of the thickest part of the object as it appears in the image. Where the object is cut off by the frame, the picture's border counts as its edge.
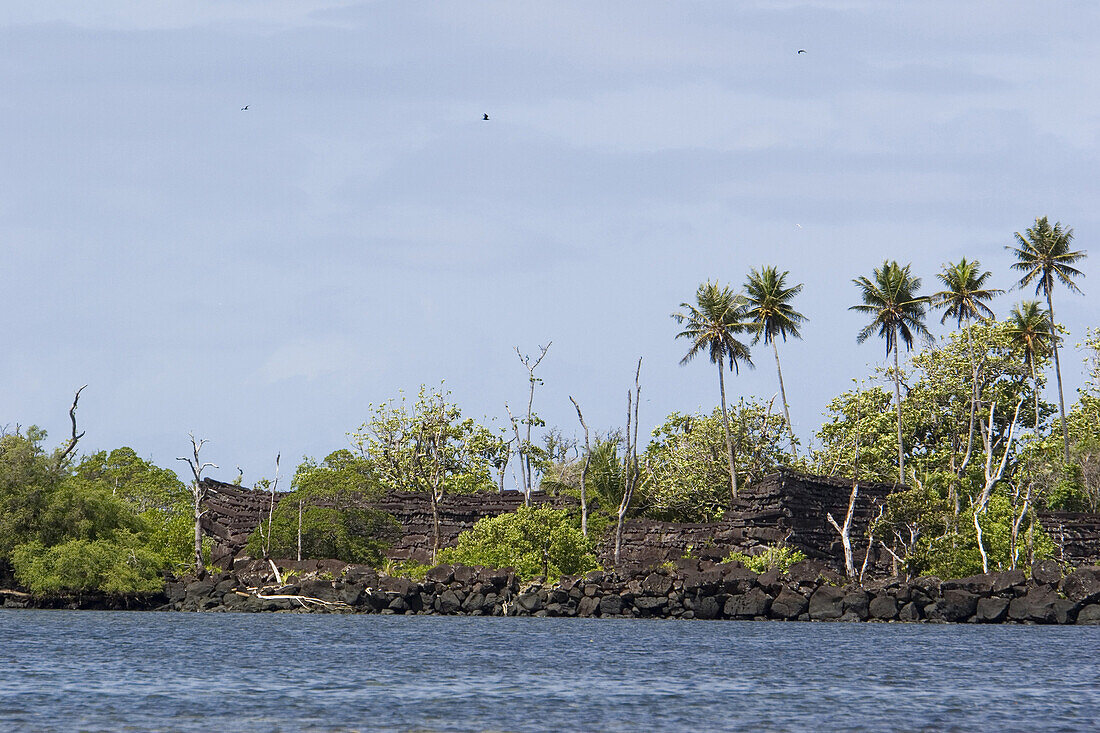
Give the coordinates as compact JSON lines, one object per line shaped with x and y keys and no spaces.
{"x":1035,"y":389}
{"x":726,"y":427}
{"x":783,"y":392}
{"x":897,"y":400}
{"x":1058,"y":373}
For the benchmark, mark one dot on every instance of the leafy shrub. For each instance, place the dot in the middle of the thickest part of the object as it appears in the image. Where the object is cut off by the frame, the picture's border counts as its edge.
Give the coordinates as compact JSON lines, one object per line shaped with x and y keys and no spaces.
{"x":773,"y":558}
{"x":410,"y":569}
{"x":533,"y":540}
{"x":115,"y":567}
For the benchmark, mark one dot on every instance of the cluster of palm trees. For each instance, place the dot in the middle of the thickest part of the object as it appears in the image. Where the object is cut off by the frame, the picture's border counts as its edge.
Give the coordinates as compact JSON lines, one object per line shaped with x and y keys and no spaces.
{"x":890,"y":296}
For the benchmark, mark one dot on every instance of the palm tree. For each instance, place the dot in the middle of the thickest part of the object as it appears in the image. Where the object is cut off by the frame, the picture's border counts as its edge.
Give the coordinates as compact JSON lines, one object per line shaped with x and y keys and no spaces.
{"x":962,"y":299}
{"x":1043,"y":254}
{"x":890,"y":296}
{"x":770,"y":314}
{"x":1029,"y":328}
{"x":711,"y":324}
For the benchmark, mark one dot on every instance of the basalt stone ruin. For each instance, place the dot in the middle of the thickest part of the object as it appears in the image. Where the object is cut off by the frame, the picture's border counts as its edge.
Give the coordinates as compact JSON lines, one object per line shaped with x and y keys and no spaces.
{"x":690,"y":589}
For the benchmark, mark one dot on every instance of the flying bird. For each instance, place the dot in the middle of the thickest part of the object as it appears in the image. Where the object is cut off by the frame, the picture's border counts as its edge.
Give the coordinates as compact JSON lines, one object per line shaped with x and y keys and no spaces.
{"x":244,"y":108}
{"x":801,"y":50}
{"x":485,"y":116}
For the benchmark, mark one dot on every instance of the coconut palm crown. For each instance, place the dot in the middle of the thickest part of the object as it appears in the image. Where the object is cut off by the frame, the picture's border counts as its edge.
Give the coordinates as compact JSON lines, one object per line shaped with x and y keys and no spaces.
{"x":890,"y":296}
{"x":964,"y":292}
{"x":1029,"y":328}
{"x":1043,"y":254}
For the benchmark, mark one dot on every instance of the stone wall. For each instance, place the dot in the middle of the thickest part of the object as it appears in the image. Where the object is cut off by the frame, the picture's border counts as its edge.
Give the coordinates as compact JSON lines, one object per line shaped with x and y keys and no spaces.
{"x":786,"y":507}
{"x":233,"y":512}
{"x":1076,"y":534}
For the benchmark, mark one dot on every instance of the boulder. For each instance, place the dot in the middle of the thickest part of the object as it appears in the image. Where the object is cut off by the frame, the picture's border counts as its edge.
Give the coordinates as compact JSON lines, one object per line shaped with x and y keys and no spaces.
{"x":650,"y":605}
{"x":1041,"y":605}
{"x":448,"y":602}
{"x":611,"y":605}
{"x":657,"y":584}
{"x":1046,"y":572}
{"x":464,"y":574}
{"x":827,"y":603}
{"x":883,"y":607}
{"x":199,"y":589}
{"x":856,"y":601}
{"x":789,"y":605}
{"x":441,"y":574}
{"x":991,"y":610}
{"x":1082,"y":585}
{"x":909,"y":612}
{"x":1003,"y":582}
{"x":737,"y":579}
{"x":1089,"y":615}
{"x":588,"y":606}
{"x":981,"y":585}
{"x":807,"y":571}
{"x":706,"y":607}
{"x":956,"y":605}
{"x":748,"y":605}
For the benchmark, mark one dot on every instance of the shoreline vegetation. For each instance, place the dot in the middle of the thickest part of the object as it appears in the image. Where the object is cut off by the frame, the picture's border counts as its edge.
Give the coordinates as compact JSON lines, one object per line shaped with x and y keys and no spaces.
{"x":958,"y":428}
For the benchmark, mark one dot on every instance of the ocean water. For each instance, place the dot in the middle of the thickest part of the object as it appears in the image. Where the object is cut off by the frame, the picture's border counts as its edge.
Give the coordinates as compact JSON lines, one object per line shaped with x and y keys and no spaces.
{"x":82,"y":670}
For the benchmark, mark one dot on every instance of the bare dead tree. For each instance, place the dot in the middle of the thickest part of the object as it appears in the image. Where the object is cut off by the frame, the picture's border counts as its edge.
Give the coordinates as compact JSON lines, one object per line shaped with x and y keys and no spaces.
{"x":198,"y":493}
{"x":525,"y":447}
{"x":523,"y":482}
{"x":584,"y":470}
{"x":870,"y":540}
{"x":845,"y":529}
{"x":271,"y":507}
{"x":630,"y":461}
{"x":992,"y":475}
{"x":75,"y":436}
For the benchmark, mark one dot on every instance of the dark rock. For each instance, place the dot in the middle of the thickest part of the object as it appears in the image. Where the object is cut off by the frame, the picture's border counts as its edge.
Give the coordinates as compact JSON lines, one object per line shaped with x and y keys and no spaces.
{"x":789,"y":605}
{"x":991,"y":610}
{"x":199,"y":589}
{"x":909,"y":612}
{"x":925,"y":589}
{"x":956,"y":605}
{"x":322,"y":589}
{"x":448,"y":602}
{"x":227,"y":584}
{"x":883,"y":607}
{"x":530,"y":602}
{"x":1089,"y":615}
{"x":398,"y":605}
{"x":748,"y":605}
{"x":611,"y":605}
{"x":464,"y":574}
{"x":441,"y":574}
{"x":807,"y":571}
{"x":351,"y":595}
{"x":657,"y":584}
{"x":1082,"y":585}
{"x":587,"y":606}
{"x":856,"y":601}
{"x":650,"y":606}
{"x":1040,"y":605}
{"x":981,"y":585}
{"x":705,"y":581}
{"x":737,"y":579}
{"x":706,"y":608}
{"x":826,"y":603}
{"x":1046,"y":572}
{"x":1005,"y":581}
{"x":175,"y":592}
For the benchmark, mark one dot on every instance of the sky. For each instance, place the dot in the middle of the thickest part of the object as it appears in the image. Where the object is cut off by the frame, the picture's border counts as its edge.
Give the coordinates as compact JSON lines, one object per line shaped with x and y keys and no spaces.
{"x":260,"y":277}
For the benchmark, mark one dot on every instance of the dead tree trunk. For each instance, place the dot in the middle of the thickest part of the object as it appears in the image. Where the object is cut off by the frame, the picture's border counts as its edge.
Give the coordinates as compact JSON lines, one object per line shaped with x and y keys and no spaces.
{"x":75,"y":438}
{"x":271,"y":507}
{"x":198,"y":493}
{"x":630,"y":461}
{"x":525,"y":447}
{"x":584,"y":470}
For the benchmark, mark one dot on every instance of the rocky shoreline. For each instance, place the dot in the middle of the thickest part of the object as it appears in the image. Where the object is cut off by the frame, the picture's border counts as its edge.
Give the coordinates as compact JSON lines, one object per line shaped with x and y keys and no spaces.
{"x":808,"y":591}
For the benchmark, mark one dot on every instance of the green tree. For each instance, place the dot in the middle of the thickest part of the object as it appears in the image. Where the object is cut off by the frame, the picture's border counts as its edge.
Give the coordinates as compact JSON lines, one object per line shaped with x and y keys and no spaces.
{"x":329,"y":514}
{"x":770,"y":314}
{"x":533,"y":541}
{"x":864,"y":413}
{"x":429,"y":447}
{"x":712,"y":324}
{"x":1043,"y":254}
{"x":685,"y":465}
{"x":963,"y":298}
{"x":890,"y":295}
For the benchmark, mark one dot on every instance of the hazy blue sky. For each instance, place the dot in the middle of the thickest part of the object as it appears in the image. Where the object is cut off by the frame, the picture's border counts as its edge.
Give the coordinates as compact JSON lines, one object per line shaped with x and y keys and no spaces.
{"x":259,"y":277}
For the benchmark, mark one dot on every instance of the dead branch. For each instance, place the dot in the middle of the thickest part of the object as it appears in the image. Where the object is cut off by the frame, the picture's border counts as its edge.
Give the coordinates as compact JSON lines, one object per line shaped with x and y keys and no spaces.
{"x":584,"y":470}
{"x":75,"y":436}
